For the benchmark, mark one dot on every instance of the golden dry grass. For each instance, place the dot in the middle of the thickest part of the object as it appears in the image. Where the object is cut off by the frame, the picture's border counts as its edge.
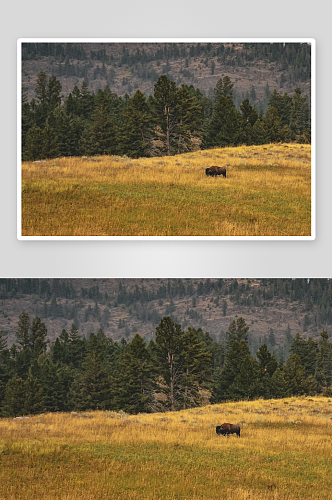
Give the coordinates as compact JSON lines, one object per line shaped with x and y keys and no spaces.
{"x":285,"y":452}
{"x":267,"y":192}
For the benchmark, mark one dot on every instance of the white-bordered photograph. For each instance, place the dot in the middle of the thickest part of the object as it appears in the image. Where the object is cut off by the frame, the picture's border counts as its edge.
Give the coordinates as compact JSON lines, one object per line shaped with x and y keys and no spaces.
{"x":160,"y":389}
{"x":166,"y":139}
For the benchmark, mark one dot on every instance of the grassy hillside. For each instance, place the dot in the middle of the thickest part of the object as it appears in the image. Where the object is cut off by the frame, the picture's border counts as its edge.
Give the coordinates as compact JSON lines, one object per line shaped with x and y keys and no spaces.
{"x":284,"y":453}
{"x":267,"y":192}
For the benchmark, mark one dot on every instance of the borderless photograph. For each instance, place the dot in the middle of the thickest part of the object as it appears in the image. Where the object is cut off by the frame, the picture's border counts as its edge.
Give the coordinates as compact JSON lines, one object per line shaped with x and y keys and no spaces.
{"x":166,"y":139}
{"x":166,"y":388}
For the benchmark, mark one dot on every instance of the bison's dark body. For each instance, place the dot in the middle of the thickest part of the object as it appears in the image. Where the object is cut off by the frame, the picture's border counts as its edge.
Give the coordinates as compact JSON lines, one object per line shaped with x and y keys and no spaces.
{"x":227,"y":429}
{"x":214,"y":171}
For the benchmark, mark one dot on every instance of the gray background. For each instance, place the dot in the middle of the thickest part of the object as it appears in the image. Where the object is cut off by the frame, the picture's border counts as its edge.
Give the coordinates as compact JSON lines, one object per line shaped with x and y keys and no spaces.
{"x":159,"y":18}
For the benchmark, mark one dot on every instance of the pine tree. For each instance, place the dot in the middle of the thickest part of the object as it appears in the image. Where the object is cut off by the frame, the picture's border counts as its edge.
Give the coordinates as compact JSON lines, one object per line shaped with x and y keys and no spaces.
{"x":95,"y":384}
{"x":76,"y":347}
{"x":71,"y":105}
{"x":33,"y":400}
{"x":86,"y":101}
{"x":33,"y":145}
{"x":246,"y":384}
{"x":239,"y":377}
{"x":167,"y":350}
{"x":48,"y":380}
{"x":3,"y":346}
{"x":267,"y":366}
{"x":273,"y":126}
{"x":77,"y":125}
{"x":66,"y":375}
{"x":135,"y":133}
{"x":189,"y":120}
{"x":283,"y":104}
{"x":237,"y":331}
{"x":41,"y":109}
{"x":300,"y":116}
{"x":27,"y":119}
{"x":64,"y":133}
{"x":311,"y":386}
{"x":23,"y":331}
{"x":134,"y":389}
{"x":249,"y":118}
{"x":259,"y":135}
{"x":57,"y":352}
{"x":37,"y":338}
{"x":196,"y":364}
{"x":23,"y":336}
{"x":307,"y":350}
{"x":277,"y":384}
{"x":53,"y":93}
{"x":223,"y":88}
{"x":40,"y":89}
{"x":14,"y":399}
{"x":50,"y":143}
{"x":164,"y":103}
{"x":103,"y":134}
{"x":216,"y":349}
{"x":294,"y":376}
{"x":224,"y":128}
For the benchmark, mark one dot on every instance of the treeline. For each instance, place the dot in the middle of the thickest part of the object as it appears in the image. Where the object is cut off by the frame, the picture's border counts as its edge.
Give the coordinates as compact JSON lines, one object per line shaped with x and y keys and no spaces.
{"x":174,"y":120}
{"x":294,"y":59}
{"x":177,"y":370}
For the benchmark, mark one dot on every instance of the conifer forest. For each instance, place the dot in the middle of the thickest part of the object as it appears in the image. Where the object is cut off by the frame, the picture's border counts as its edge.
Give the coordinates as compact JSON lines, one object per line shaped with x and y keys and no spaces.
{"x":172,"y":366}
{"x":161,"y":107}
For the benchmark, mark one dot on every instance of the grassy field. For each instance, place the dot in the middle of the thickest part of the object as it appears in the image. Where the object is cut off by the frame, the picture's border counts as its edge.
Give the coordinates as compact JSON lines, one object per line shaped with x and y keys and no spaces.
{"x":285,"y":452}
{"x":267,"y":192}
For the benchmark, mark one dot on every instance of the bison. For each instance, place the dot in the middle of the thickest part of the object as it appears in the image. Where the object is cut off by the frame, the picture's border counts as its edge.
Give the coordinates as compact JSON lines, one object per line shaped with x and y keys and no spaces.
{"x":227,"y":429}
{"x":209,"y":172}
{"x":214,"y":171}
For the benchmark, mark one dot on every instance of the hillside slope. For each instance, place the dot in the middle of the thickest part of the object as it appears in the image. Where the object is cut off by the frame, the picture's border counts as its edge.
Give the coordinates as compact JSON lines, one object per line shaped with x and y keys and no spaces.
{"x":273,"y":309}
{"x":256,"y":69}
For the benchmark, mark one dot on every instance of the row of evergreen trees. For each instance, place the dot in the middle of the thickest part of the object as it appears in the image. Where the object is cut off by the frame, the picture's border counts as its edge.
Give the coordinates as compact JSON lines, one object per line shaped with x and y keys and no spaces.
{"x":174,"y":120}
{"x":177,"y":370}
{"x":284,"y":53}
{"x":309,"y":292}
